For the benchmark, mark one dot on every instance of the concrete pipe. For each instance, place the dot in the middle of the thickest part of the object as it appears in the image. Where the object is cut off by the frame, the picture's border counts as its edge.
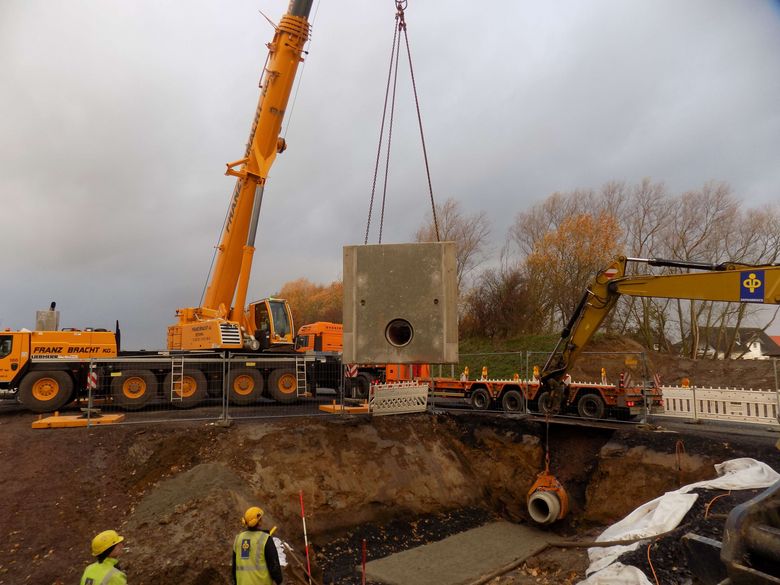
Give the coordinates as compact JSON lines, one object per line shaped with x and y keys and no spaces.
{"x":544,"y":507}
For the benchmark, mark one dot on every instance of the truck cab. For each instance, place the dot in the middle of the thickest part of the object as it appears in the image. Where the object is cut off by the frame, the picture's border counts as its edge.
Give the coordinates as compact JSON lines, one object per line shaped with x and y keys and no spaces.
{"x":14,"y":353}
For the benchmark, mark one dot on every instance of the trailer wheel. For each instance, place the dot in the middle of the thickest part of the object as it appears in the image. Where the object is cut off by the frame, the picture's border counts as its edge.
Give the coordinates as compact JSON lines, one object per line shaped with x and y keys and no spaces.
{"x":193,"y":389}
{"x":133,"y":389}
{"x":545,"y":403}
{"x":361,"y":386}
{"x":283,"y":385}
{"x":480,"y":399}
{"x":591,"y":406}
{"x":512,"y":401}
{"x":245,"y":385}
{"x":45,"y":391}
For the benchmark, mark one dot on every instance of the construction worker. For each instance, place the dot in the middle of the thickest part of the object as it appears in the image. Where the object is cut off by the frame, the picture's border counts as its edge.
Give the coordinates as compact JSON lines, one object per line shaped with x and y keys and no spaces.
{"x":106,"y":547}
{"x":255,"y":560}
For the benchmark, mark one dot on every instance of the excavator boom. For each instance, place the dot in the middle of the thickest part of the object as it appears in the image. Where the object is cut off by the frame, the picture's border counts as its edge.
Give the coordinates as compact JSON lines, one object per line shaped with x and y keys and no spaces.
{"x":727,"y":282}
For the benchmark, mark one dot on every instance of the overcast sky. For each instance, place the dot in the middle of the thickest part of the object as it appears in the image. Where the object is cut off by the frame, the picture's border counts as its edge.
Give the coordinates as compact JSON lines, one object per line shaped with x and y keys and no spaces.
{"x":117,"y":118}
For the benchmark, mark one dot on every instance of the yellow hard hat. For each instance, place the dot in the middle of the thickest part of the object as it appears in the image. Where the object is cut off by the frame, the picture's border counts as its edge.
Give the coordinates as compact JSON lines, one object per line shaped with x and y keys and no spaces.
{"x":252,"y":517}
{"x":104,"y":541}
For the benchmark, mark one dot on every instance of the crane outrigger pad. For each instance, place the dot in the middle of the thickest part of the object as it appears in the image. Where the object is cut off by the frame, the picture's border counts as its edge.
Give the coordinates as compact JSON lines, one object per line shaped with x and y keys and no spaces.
{"x":73,"y":420}
{"x":336,"y":408}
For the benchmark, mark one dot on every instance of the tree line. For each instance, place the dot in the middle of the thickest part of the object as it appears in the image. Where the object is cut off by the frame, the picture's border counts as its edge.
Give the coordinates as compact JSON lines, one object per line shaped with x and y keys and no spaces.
{"x":553,"y":250}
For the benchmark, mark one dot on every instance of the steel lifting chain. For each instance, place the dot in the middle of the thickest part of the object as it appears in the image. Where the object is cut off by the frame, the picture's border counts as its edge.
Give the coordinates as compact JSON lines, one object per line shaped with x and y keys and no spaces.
{"x":392,"y":74}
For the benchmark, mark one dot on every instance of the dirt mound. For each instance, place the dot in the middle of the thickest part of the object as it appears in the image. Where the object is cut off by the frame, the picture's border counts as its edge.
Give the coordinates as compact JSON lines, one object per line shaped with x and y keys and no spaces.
{"x":621,"y":354}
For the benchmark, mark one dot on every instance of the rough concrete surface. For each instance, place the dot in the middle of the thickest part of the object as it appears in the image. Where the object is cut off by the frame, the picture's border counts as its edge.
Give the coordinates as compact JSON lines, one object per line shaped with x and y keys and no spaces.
{"x":462,"y":558}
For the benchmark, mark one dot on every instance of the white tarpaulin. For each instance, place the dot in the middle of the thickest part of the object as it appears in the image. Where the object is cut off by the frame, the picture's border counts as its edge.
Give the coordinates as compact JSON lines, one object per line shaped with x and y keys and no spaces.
{"x":663,"y":514}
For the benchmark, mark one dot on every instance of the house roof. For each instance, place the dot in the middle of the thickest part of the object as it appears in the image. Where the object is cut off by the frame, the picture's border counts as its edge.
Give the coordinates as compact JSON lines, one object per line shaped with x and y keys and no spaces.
{"x":720,"y":338}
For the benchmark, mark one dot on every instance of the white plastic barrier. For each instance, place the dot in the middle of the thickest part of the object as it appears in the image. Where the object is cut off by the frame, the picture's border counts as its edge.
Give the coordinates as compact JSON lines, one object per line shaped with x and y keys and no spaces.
{"x":398,"y":398}
{"x":730,"y":404}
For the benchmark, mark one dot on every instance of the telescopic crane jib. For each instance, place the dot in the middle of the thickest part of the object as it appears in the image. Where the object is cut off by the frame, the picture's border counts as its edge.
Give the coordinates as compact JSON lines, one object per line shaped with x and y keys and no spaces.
{"x":221,"y":322}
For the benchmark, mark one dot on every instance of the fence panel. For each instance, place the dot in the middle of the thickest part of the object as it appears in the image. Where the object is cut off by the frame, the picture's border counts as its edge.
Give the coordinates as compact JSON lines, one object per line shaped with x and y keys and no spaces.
{"x":726,"y":404}
{"x":146,"y":390}
{"x":281,"y":387}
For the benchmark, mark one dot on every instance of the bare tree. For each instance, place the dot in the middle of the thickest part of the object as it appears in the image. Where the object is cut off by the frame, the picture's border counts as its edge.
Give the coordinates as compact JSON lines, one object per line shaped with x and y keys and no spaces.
{"x":469,"y":232}
{"x":499,"y":305}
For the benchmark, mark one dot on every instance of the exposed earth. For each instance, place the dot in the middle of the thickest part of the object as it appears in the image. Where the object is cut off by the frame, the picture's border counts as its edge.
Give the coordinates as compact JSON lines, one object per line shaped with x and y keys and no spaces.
{"x":177,"y":490}
{"x":612,"y":353}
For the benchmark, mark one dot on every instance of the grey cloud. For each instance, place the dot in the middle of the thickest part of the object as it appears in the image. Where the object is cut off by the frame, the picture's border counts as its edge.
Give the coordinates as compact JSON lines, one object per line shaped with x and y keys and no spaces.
{"x":118,"y":119}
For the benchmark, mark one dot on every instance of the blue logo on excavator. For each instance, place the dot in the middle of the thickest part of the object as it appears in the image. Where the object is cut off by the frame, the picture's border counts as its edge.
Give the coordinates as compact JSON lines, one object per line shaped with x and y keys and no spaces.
{"x":751,"y":286}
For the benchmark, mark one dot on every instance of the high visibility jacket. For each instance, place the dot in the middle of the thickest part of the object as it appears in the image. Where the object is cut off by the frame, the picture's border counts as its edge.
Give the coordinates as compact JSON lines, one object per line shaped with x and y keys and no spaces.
{"x":104,"y":573}
{"x":249,"y":552}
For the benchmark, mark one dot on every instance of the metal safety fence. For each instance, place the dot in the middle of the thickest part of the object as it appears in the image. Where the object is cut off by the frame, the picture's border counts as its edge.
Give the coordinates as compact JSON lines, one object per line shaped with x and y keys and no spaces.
{"x":615,"y":385}
{"x":190,"y":387}
{"x":603,"y":385}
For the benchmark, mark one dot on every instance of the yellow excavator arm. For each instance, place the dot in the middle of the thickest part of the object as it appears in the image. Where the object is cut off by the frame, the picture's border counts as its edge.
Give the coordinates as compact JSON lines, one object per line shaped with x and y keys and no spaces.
{"x":728,"y":282}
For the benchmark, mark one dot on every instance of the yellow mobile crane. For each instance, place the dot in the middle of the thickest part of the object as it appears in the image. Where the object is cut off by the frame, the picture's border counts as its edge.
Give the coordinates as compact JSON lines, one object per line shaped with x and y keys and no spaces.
{"x":47,"y":368}
{"x":222,"y":322}
{"x":728,"y":282}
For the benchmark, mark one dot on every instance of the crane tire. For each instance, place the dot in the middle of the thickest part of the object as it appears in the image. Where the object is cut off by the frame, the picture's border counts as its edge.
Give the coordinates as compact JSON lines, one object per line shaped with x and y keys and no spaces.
{"x":283,"y":385}
{"x":45,"y":391}
{"x":245,"y":386}
{"x":512,"y":401}
{"x":133,"y":389}
{"x":591,"y":406}
{"x":193,"y":389}
{"x":480,"y":399}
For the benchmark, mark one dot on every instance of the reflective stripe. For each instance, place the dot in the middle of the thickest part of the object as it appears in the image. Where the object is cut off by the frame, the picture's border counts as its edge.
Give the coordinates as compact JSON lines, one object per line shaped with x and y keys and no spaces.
{"x":108,"y":576}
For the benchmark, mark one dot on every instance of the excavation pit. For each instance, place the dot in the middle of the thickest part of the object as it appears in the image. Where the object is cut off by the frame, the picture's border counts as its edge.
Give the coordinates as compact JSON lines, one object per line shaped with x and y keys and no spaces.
{"x":176,"y":492}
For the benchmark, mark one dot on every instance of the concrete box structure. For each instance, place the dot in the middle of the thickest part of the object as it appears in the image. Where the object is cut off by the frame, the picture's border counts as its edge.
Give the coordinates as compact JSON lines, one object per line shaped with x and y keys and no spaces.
{"x":400,"y":304}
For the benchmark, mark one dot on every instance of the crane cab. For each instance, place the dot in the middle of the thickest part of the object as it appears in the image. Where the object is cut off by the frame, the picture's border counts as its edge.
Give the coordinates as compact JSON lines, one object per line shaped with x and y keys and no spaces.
{"x":270,"y":321}
{"x":267,"y":325}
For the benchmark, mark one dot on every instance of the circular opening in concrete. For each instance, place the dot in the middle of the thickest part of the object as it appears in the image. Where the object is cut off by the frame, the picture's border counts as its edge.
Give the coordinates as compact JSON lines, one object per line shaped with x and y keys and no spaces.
{"x":399,"y":332}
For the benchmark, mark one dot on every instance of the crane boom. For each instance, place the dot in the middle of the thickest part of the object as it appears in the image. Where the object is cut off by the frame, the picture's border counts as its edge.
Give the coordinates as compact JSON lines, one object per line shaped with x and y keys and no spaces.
{"x":221,"y":321}
{"x":727,"y":282}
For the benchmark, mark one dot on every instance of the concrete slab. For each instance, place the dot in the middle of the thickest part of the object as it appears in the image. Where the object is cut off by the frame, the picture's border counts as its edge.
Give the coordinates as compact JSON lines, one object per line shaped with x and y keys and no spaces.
{"x":460,"y":559}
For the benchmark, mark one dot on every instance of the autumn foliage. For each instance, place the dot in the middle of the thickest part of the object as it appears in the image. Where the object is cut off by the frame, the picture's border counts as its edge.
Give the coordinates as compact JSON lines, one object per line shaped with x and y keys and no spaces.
{"x":312,"y":302}
{"x":555,"y":248}
{"x":564,"y":261}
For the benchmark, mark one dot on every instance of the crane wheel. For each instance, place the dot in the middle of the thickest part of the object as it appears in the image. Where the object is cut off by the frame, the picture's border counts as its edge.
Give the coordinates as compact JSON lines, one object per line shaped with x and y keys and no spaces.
{"x":480,"y":399}
{"x":133,"y":389}
{"x":192,"y":390}
{"x":283,"y":385}
{"x":591,"y":406}
{"x":45,"y":391}
{"x":245,"y":386}
{"x":512,"y":401}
